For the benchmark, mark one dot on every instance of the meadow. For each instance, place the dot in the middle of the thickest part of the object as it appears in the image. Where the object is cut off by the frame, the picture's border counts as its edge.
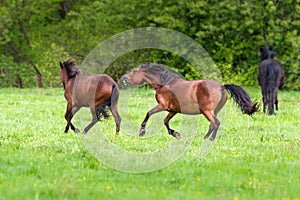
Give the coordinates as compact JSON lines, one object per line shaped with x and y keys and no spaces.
{"x":253,"y":158}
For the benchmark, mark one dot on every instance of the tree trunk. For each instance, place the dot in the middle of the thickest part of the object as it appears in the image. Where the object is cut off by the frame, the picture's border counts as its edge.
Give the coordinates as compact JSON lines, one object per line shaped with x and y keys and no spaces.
{"x":19,"y":81}
{"x":38,"y":77}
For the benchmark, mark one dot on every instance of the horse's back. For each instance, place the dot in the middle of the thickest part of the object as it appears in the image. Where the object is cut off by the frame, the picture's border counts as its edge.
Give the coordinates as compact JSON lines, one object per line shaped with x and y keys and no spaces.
{"x":195,"y":96}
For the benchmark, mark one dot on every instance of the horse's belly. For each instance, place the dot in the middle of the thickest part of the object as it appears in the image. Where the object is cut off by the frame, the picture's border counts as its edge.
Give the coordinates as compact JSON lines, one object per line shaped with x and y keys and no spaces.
{"x":190,"y":109}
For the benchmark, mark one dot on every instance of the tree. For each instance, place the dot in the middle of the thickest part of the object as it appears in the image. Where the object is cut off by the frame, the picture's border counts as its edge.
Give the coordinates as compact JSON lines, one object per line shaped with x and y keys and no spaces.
{"x":15,"y":33}
{"x":36,"y":35}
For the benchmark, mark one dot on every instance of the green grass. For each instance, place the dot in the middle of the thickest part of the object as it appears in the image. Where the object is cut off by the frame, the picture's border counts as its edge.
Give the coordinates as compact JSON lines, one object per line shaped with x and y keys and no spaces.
{"x":254,"y":158}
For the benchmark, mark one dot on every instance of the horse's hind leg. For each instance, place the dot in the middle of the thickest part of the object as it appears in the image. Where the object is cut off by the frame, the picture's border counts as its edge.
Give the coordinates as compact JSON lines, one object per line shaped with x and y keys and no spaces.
{"x":212,"y":117}
{"x":210,"y":129}
{"x":271,"y":102}
{"x":94,"y":121}
{"x":214,"y":125}
{"x":264,"y":99}
{"x":166,"y":122}
{"x":115,"y":113}
{"x":156,"y":109}
{"x":276,"y":98}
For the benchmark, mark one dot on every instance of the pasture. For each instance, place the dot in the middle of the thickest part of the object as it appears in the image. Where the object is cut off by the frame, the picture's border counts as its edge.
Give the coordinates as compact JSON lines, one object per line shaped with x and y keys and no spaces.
{"x":254,"y":158}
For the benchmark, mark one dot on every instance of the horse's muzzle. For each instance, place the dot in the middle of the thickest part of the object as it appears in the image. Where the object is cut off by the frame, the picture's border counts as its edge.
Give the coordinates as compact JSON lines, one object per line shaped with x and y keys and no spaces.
{"x":124,"y":82}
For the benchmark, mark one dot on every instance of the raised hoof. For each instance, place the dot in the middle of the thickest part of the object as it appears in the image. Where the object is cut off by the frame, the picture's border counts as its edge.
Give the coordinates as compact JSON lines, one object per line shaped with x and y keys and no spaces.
{"x":176,"y":135}
{"x":77,"y":130}
{"x":117,"y":131}
{"x":142,"y":132}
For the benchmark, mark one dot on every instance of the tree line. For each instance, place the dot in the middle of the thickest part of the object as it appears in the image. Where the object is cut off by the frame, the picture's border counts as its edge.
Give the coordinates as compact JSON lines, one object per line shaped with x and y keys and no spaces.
{"x":36,"y":35}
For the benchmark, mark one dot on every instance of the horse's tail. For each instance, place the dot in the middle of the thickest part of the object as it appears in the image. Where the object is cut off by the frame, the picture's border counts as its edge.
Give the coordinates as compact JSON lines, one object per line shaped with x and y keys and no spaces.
{"x":242,"y":98}
{"x":270,"y":84}
{"x":111,"y":101}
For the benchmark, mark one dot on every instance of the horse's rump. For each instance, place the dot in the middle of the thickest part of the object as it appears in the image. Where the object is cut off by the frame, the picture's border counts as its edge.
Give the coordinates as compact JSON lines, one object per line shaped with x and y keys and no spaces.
{"x":91,"y":89}
{"x":270,"y":77}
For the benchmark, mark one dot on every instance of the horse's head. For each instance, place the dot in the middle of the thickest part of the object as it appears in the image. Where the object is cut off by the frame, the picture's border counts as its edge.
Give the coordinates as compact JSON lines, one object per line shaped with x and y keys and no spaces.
{"x":267,"y":53}
{"x":68,"y":70}
{"x":135,"y":77}
{"x":155,"y":74}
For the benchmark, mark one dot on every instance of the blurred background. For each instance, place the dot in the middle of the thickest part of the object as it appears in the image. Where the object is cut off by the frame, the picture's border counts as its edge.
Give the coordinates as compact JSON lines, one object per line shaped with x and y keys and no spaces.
{"x":37,"y":35}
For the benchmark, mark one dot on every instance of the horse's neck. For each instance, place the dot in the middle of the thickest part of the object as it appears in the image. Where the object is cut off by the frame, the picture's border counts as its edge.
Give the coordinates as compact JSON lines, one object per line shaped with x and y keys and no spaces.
{"x":156,"y":84}
{"x":69,"y":82}
{"x":152,"y":80}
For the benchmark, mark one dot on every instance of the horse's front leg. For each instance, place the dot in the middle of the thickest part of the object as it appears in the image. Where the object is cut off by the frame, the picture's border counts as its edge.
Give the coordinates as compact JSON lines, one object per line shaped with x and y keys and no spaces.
{"x":156,"y":109}
{"x":166,"y":122}
{"x":70,"y":112}
{"x":264,"y":99}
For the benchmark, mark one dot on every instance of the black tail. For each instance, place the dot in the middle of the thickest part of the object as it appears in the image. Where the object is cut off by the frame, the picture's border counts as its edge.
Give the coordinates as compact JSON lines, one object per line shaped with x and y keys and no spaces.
{"x":242,"y":98}
{"x":111,"y":101}
{"x":270,"y":85}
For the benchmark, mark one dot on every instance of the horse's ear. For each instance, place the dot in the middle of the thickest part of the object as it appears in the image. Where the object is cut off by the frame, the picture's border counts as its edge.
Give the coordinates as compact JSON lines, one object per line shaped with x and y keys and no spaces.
{"x":273,"y":54}
{"x":61,"y":65}
{"x":261,"y":49}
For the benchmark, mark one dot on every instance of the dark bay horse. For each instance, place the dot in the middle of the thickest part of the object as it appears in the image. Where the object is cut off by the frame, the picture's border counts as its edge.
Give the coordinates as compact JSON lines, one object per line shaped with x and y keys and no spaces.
{"x":270,"y":78}
{"x":94,"y":91}
{"x":176,"y":95}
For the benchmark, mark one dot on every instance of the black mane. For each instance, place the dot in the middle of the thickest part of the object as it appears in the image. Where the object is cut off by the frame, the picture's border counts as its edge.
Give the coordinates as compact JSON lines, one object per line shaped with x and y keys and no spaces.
{"x":72,"y":69}
{"x":166,"y":75}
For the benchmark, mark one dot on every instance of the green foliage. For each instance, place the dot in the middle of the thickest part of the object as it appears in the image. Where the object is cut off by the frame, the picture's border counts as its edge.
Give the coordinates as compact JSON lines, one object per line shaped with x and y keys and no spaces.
{"x":42,"y":33}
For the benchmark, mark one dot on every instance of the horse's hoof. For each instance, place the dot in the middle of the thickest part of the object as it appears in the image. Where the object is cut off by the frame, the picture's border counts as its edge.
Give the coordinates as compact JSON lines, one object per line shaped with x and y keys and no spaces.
{"x":176,"y":135}
{"x":77,"y":130}
{"x":142,"y":132}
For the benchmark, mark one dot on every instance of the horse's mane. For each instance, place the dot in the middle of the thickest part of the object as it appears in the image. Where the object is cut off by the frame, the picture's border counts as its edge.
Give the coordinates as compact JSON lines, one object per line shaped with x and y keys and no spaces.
{"x":72,"y":69}
{"x":166,"y":75}
{"x":267,"y":53}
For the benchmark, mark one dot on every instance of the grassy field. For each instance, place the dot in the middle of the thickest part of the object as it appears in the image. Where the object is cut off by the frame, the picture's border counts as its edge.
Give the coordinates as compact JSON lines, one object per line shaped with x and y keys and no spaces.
{"x":254,"y":158}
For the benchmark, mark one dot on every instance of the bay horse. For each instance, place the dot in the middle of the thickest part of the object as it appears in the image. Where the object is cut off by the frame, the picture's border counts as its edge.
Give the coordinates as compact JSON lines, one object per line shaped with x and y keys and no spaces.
{"x":94,"y":91}
{"x":176,"y":95}
{"x":270,"y":78}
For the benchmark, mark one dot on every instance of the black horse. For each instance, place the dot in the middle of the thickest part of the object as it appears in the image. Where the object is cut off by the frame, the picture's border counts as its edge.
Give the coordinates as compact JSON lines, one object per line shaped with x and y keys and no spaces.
{"x":270,"y":78}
